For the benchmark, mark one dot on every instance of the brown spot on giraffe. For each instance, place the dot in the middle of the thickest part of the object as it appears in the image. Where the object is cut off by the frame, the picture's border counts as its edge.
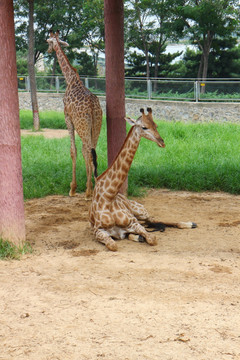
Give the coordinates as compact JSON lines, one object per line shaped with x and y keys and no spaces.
{"x":82,"y":111}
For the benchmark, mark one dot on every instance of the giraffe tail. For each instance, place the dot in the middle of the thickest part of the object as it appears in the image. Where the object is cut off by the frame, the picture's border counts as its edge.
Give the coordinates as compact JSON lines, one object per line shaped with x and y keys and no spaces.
{"x":94,"y":160}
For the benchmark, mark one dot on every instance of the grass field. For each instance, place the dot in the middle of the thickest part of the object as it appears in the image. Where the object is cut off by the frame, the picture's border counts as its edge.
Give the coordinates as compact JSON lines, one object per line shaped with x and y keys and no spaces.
{"x":197,"y":157}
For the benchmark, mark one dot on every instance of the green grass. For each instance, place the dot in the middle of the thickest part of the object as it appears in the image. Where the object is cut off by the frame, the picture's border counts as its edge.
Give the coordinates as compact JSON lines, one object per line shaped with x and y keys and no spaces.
{"x":197,"y":157}
{"x":48,"y":119}
{"x":11,"y":251}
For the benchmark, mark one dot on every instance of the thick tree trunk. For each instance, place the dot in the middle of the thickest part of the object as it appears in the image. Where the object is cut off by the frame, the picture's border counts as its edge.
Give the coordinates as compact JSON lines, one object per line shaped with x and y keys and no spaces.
{"x":12,"y":223}
{"x":205,"y":65}
{"x":115,"y":84}
{"x":204,"y":58}
{"x":200,"y":69}
{"x":31,"y":70}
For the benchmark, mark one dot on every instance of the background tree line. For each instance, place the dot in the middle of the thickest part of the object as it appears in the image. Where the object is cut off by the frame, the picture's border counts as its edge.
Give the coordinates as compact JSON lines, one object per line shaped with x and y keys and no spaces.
{"x":150,"y":25}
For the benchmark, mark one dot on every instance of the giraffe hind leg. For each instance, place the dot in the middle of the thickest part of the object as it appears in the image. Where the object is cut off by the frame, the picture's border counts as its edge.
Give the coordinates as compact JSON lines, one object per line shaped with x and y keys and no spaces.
{"x":87,"y":154}
{"x":73,"y":152}
{"x":160,"y":226}
{"x":142,"y":214}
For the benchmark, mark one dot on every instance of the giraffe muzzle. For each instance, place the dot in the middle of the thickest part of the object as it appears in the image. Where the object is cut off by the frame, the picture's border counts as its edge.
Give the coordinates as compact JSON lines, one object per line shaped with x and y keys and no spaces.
{"x":161,"y":143}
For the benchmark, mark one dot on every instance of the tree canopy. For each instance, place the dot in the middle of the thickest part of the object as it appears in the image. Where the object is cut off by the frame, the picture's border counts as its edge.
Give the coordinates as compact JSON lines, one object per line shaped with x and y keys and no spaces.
{"x":150,"y":25}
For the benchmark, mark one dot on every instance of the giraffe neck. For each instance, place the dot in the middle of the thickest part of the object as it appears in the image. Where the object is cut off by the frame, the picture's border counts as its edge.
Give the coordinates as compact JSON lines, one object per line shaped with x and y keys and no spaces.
{"x":115,"y":176}
{"x":68,"y":71}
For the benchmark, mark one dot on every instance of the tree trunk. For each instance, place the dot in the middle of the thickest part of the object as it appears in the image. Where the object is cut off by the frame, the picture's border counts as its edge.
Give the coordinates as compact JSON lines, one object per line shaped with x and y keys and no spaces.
{"x":31,"y":70}
{"x":204,"y":59}
{"x":52,"y":80}
{"x":115,"y":84}
{"x":12,"y":223}
{"x":145,"y":45}
{"x":147,"y":63}
{"x":205,"y":65}
{"x":200,"y":69}
{"x":157,"y":55}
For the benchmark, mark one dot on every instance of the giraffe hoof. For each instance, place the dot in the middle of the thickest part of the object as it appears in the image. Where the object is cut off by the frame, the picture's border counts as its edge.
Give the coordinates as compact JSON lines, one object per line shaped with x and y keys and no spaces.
{"x":88,"y":197}
{"x":152,"y":241}
{"x":72,"y":193}
{"x":194,"y":225}
{"x":112,"y":245}
{"x":141,"y":239}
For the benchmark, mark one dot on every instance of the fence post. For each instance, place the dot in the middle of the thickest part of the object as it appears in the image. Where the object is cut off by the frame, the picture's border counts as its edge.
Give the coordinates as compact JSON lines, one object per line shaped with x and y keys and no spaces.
{"x":196,"y":91}
{"x":149,"y":89}
{"x":57,"y":84}
{"x":86,"y":83}
{"x":27,"y":83}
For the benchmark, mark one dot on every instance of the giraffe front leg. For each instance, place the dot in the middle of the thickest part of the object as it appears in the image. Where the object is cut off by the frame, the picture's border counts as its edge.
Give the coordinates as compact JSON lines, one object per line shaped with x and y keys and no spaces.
{"x":86,"y":150}
{"x":73,"y":184}
{"x":103,"y":237}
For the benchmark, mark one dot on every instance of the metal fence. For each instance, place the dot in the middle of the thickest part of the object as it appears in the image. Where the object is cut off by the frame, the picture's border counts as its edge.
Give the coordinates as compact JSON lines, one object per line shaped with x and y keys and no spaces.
{"x":152,"y":89}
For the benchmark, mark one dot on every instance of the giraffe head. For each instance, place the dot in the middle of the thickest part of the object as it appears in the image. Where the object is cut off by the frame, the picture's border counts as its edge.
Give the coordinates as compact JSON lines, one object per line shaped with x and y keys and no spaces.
{"x":146,"y":127}
{"x":54,"y":40}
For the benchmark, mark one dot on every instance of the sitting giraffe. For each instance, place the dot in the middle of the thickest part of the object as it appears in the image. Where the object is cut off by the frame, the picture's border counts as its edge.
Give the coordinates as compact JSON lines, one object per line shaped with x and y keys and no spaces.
{"x":82,"y":113}
{"x":111,"y":214}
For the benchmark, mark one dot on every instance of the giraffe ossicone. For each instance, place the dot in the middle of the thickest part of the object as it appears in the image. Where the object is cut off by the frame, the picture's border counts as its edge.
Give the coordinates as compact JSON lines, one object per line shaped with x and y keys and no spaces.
{"x":112,"y":215}
{"x":83,"y":113}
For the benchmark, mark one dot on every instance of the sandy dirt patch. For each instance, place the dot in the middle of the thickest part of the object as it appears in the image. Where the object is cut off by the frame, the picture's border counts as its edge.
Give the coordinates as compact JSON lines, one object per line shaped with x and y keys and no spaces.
{"x":47,"y":133}
{"x":72,"y":299}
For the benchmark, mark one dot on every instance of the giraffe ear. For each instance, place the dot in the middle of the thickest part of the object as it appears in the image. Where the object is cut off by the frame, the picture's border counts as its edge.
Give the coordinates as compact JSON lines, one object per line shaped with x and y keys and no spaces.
{"x":131,"y":121}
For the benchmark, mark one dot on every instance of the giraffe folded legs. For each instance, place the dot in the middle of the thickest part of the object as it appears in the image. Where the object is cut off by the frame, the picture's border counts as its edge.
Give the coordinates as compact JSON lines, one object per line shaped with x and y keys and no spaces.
{"x":141,"y":214}
{"x":138,"y":233}
{"x":103,"y":237}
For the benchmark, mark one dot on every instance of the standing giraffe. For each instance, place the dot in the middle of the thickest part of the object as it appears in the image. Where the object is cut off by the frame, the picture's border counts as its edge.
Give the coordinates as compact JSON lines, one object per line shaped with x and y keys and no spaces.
{"x":111,"y":214}
{"x":82,"y":113}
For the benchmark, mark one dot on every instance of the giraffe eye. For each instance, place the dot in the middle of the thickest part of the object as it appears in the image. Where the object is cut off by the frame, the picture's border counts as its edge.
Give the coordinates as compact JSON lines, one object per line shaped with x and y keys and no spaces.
{"x":144,"y":128}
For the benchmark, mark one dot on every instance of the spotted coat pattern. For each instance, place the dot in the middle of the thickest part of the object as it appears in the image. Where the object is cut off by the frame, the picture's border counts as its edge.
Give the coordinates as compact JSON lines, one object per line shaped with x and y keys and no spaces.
{"x":112,"y":215}
{"x":82,"y":111}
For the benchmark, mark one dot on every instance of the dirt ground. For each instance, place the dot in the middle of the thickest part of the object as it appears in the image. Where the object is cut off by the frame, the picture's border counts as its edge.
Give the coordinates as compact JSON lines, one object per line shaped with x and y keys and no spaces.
{"x":72,"y":299}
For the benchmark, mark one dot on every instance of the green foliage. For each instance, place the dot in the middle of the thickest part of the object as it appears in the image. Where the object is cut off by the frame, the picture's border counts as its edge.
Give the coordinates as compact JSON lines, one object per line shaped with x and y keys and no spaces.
{"x":85,"y":64}
{"x":197,"y":157}
{"x":149,"y":24}
{"x":11,"y":251}
{"x":22,"y":63}
{"x":79,"y":22}
{"x":224,"y":61}
{"x":206,"y":22}
{"x":137,"y":64}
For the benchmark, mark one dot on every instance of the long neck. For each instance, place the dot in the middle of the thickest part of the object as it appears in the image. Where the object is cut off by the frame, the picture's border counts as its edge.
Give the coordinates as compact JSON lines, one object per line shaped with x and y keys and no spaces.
{"x":115,"y":176}
{"x":68,"y":71}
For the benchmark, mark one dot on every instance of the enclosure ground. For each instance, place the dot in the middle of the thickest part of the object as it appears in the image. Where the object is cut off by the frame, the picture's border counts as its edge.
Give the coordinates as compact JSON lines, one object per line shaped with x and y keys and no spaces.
{"x":73,"y":299}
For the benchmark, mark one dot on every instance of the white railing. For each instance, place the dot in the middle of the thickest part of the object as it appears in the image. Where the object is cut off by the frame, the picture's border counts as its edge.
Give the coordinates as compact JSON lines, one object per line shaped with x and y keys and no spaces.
{"x":152,"y":89}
